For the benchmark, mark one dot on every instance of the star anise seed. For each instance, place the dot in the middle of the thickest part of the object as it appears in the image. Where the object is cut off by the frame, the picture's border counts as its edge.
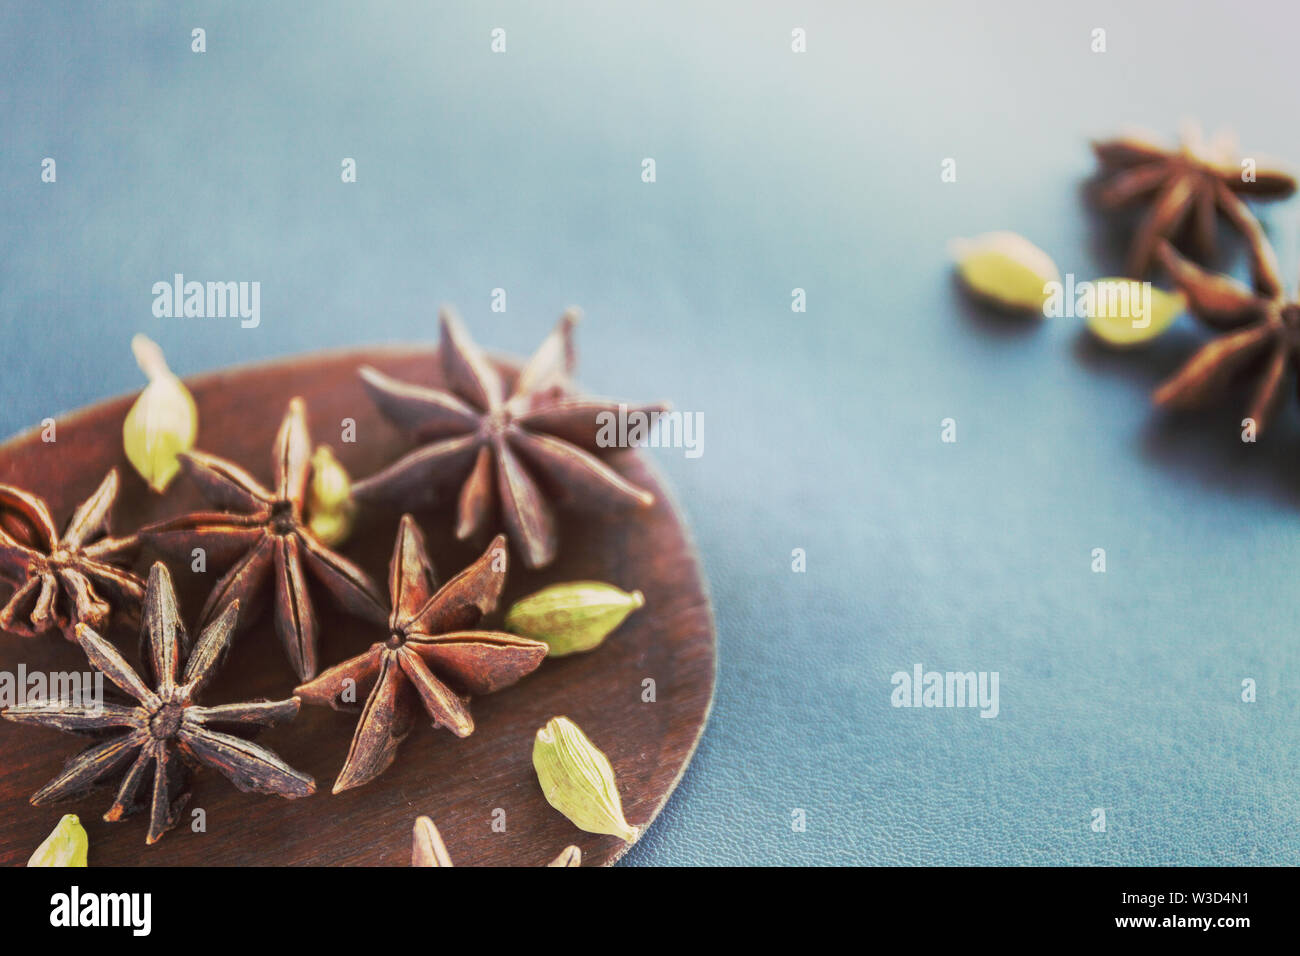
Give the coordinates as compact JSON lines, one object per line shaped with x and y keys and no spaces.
{"x":507,"y":452}
{"x":58,"y":579}
{"x":1260,"y":324}
{"x":1186,"y":188}
{"x":433,"y":655}
{"x":269,"y":528}
{"x":165,"y":731}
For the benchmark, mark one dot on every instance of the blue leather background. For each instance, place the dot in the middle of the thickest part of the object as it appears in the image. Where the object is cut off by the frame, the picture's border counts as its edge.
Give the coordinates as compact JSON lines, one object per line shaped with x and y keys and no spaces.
{"x":775,"y":171}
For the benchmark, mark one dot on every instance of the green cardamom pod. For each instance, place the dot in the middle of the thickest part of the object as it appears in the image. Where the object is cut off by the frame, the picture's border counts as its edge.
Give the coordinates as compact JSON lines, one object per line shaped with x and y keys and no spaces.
{"x":572,"y":617}
{"x":569,"y":856}
{"x":163,"y":421}
{"x":1005,"y":269}
{"x":578,"y":780}
{"x":1125,"y":313}
{"x":66,"y":846}
{"x":330,"y":509}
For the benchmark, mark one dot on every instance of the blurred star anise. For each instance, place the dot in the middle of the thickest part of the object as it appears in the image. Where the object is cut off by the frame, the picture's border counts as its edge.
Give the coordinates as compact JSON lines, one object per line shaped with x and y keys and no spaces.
{"x":270,"y":529}
{"x":1262,"y":326}
{"x":432,"y":656}
{"x":506,"y":451}
{"x":164,"y":730}
{"x":58,"y":578}
{"x":1187,"y":188}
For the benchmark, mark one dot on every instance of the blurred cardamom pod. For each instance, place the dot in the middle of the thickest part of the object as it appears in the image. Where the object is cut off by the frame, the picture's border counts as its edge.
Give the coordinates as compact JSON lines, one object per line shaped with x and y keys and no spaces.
{"x":163,"y":421}
{"x":1125,"y":312}
{"x":569,"y":856}
{"x":578,"y":780}
{"x":1005,"y":269}
{"x":67,"y":845}
{"x":572,"y":617}
{"x":427,"y":848}
{"x":330,"y":509}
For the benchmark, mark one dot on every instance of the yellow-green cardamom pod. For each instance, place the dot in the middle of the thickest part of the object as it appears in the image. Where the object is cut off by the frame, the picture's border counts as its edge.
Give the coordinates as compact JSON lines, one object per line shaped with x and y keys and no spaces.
{"x":578,"y":780}
{"x":66,"y":846}
{"x":163,"y":421}
{"x":572,"y":617}
{"x":569,"y":856}
{"x":330,"y":509}
{"x":1125,"y":312}
{"x":1006,"y":269}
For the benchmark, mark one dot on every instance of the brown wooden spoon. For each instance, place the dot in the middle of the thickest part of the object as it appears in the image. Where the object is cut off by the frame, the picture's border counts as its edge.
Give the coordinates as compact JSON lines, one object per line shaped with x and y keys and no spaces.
{"x":482,"y":790}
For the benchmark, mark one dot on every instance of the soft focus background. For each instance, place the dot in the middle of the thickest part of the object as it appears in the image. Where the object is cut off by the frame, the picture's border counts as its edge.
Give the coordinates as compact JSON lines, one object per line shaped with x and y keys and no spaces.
{"x":775,"y":171}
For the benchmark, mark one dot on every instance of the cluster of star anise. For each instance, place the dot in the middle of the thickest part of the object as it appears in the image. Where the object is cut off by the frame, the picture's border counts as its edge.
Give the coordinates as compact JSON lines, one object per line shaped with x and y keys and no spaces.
{"x":1188,"y":189}
{"x":512,"y":443}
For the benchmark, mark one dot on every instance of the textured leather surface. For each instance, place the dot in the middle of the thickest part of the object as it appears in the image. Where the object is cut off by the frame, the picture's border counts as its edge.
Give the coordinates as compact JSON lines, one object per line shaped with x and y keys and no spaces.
{"x":774,"y":171}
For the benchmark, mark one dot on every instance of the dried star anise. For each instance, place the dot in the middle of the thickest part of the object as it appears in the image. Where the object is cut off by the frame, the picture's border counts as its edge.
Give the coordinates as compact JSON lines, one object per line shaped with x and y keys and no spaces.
{"x":1186,"y":187}
{"x":428,"y":848}
{"x":502,"y":448}
{"x":164,"y":729}
{"x":270,"y":529}
{"x":1261,"y":324}
{"x":57,"y":577}
{"x":432,"y":656}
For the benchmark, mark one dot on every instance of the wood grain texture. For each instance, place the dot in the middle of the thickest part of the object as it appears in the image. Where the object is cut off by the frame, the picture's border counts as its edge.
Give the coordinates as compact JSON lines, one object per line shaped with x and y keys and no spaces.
{"x":459,"y":783}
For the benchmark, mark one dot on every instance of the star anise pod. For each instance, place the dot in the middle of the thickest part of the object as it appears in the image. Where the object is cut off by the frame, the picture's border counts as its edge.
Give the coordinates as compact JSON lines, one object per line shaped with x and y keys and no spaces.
{"x":433,"y":655}
{"x":1186,"y":188}
{"x":270,"y":529}
{"x":164,"y":731}
{"x":428,"y":849}
{"x":502,"y":448}
{"x":58,"y":578}
{"x":1262,"y":329}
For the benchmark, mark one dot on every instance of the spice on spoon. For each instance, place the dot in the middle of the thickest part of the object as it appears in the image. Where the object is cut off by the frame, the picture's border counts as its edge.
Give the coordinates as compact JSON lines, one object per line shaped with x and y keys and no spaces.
{"x":503,"y":448}
{"x":428,"y":849}
{"x":268,"y":528}
{"x":578,"y":780}
{"x":164,"y":731}
{"x":330,"y":508}
{"x":572,"y":617}
{"x":432,"y":656}
{"x":162,"y":423}
{"x":64,"y":580}
{"x":67,"y":845}
{"x":569,"y":856}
